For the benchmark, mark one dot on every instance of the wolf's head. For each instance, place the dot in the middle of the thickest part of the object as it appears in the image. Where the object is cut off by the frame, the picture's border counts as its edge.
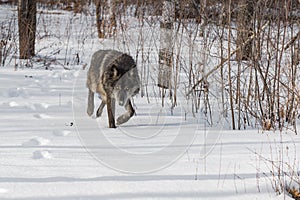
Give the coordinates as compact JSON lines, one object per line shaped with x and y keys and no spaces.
{"x":127,"y":86}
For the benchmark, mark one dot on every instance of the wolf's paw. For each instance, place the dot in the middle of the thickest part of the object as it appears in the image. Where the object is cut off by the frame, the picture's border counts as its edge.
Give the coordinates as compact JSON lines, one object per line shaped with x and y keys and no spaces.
{"x":122,"y":119}
{"x":90,"y":111}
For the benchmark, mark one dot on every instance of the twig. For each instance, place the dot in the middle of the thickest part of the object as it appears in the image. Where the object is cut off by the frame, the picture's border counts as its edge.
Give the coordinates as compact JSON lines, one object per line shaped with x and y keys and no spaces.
{"x":224,"y":60}
{"x":292,"y":41}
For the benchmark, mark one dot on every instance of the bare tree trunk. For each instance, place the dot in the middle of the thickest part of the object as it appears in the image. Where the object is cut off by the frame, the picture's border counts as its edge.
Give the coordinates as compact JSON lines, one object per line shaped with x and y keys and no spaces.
{"x":229,"y":69}
{"x":2,"y":43}
{"x":106,"y":18}
{"x":245,"y":29}
{"x":166,"y":45}
{"x":244,"y":32}
{"x":112,"y":23}
{"x":99,"y":18}
{"x":27,"y":27}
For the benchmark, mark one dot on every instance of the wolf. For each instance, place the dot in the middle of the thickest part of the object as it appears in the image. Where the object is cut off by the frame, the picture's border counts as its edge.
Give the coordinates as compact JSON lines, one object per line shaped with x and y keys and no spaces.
{"x":114,"y":77}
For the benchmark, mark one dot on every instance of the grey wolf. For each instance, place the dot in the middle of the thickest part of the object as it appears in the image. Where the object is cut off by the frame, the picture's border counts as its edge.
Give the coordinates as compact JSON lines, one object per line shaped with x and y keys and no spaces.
{"x":114,"y":76}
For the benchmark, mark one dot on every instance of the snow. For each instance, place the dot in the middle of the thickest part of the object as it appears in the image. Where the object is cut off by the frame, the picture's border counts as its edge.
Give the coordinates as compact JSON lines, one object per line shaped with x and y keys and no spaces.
{"x":51,"y":149}
{"x":43,"y":156}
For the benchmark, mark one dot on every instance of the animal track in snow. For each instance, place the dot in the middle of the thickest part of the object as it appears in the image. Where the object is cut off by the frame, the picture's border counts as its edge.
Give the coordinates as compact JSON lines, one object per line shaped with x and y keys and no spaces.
{"x":61,"y":132}
{"x":37,"y":141}
{"x":40,"y":106}
{"x":41,"y":116}
{"x":42,"y":154}
{"x":17,"y":92}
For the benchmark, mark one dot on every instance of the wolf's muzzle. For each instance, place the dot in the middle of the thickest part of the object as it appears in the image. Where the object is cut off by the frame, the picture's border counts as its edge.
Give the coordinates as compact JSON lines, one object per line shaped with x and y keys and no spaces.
{"x":122,"y":98}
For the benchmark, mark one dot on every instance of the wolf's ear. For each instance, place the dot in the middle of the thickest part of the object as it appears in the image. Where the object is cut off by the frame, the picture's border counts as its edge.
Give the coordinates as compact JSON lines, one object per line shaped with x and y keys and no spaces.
{"x":115,"y":70}
{"x":132,"y":72}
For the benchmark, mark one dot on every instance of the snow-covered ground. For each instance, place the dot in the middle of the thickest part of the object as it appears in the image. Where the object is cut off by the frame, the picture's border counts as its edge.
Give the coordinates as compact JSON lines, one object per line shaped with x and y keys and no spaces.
{"x":44,"y":157}
{"x":51,"y":149}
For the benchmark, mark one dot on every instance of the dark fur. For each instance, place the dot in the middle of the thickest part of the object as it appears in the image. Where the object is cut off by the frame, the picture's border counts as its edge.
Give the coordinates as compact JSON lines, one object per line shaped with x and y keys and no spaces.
{"x":114,"y":76}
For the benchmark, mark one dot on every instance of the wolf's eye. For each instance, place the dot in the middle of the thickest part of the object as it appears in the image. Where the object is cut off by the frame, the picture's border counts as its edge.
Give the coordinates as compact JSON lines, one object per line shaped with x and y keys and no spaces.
{"x":127,"y":89}
{"x":117,"y":87}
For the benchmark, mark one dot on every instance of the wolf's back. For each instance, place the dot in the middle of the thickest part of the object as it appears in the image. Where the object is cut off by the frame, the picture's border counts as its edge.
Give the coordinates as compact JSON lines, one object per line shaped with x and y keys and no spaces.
{"x":103,"y":61}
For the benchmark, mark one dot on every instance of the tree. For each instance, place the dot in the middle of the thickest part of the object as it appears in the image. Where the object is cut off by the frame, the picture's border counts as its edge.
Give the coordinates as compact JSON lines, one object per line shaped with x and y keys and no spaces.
{"x":166,"y":45}
{"x":27,"y":27}
{"x":245,"y":29}
{"x":106,"y":17}
{"x":2,"y":44}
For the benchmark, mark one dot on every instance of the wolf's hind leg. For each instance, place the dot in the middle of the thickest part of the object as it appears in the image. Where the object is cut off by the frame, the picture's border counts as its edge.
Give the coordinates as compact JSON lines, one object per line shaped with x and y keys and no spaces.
{"x":90,"y":108}
{"x":102,"y":105}
{"x":100,"y":109}
{"x":127,"y":115}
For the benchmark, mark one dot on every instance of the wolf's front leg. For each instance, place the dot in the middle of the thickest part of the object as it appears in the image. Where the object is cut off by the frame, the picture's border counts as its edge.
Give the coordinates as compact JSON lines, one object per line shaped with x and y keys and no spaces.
{"x":110,"y":112}
{"x":127,"y":115}
{"x":90,"y":108}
